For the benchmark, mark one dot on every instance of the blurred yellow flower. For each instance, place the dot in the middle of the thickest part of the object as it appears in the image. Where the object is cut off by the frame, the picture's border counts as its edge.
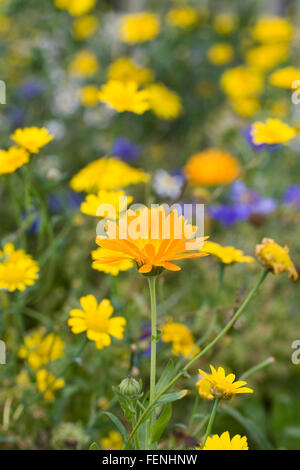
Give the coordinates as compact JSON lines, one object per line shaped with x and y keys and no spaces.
{"x":95,"y":320}
{"x":183,"y":17}
{"x":267,"y":56}
{"x":203,"y":387}
{"x":276,"y":258}
{"x":139,"y":27}
{"x":97,"y":204}
{"x":17,"y":269}
{"x":88,"y":95}
{"x":226,"y":254}
{"x":32,"y":138}
{"x":272,"y":29}
{"x":12,"y":159}
{"x":39,"y":349}
{"x":241,"y":81}
{"x":125,"y":69}
{"x":245,"y":106}
{"x":222,"y":385}
{"x":285,"y":77}
{"x":109,"y":268}
{"x":220,"y":54}
{"x":114,"y":441}
{"x":85,"y":64}
{"x":165,"y":103}
{"x":85,"y":27}
{"x":181,"y":338}
{"x":124,"y":96}
{"x":273,"y":131}
{"x":47,"y":383}
{"x":75,"y":7}
{"x":224,"y":442}
{"x":107,"y":173}
{"x":225,"y":23}
{"x":211,"y":167}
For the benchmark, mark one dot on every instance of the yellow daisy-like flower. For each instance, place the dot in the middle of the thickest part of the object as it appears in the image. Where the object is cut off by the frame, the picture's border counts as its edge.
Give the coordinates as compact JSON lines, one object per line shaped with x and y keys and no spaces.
{"x":114,"y":441}
{"x":47,"y":383}
{"x":222,"y":385}
{"x":284,"y":78}
{"x":139,"y":27}
{"x":85,"y":64}
{"x":17,"y":269}
{"x":273,"y":131}
{"x":96,"y":321}
{"x":272,"y":29}
{"x":241,"y":81}
{"x":32,"y":138}
{"x":88,"y":95}
{"x":276,"y":258}
{"x":75,"y":7}
{"x":224,"y":442}
{"x":225,"y":23}
{"x":212,"y":167}
{"x":226,"y":254}
{"x":181,"y":338}
{"x":267,"y":56}
{"x":39,"y":349}
{"x":125,"y":69}
{"x":220,"y":54}
{"x":109,"y":268}
{"x":203,"y":387}
{"x":85,"y":27}
{"x":107,"y":173}
{"x":182,"y":17}
{"x":246,"y":106}
{"x":106,"y":203}
{"x":124,"y":96}
{"x":165,"y":103}
{"x":12,"y":159}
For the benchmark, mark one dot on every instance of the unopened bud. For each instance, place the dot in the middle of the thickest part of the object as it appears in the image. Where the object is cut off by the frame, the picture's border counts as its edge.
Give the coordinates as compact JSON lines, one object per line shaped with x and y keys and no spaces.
{"x":130,"y":387}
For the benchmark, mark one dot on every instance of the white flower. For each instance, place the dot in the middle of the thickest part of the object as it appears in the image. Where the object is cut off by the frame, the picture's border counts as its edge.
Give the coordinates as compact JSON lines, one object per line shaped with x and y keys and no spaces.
{"x":167,"y":185}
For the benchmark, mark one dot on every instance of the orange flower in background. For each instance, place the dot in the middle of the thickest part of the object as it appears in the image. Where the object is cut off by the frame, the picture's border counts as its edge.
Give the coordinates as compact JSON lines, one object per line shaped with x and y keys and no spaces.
{"x":150,"y":237}
{"x":212,"y":167}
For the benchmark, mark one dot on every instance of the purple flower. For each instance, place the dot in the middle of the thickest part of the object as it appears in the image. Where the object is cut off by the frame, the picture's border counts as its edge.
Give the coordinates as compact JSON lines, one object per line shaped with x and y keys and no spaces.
{"x":36,"y":221}
{"x":125,"y":149}
{"x":30,"y":89}
{"x":244,"y":202}
{"x":257,"y":147}
{"x":292,"y":196}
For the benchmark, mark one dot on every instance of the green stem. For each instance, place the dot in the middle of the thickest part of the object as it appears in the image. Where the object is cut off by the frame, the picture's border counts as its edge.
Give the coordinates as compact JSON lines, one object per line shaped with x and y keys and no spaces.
{"x":152,"y":289}
{"x":203,"y":352}
{"x":259,"y":366}
{"x":211,"y":421}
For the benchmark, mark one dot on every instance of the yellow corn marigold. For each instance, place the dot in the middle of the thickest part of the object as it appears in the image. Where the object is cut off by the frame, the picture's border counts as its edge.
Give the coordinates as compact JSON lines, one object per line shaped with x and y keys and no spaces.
{"x":85,"y":27}
{"x":40,"y":349}
{"x":12,"y":159}
{"x":150,"y":237}
{"x":47,"y":383}
{"x":17,"y":269}
{"x":165,"y":103}
{"x":203,"y":387}
{"x":106,"y":203}
{"x":139,"y":27}
{"x":220,"y":54}
{"x":85,"y":64}
{"x":182,"y":340}
{"x":96,"y":321}
{"x":114,"y":441}
{"x":107,"y":173}
{"x":276,"y":258}
{"x":182,"y":17}
{"x":267,"y":56}
{"x":32,"y":138}
{"x":224,"y":442}
{"x":222,"y":385}
{"x":272,"y":29}
{"x":109,"y":268}
{"x":285,"y":77}
{"x":225,"y":23}
{"x":245,"y":106}
{"x":273,"y":131}
{"x":88,"y":95}
{"x":226,"y":254}
{"x":241,"y":81}
{"x":124,"y":96}
{"x":125,"y":69}
{"x":212,"y":167}
{"x":75,"y":7}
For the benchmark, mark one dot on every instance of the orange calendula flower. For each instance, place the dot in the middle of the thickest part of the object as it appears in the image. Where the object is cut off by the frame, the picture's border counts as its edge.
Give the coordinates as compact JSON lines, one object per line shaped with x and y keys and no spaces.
{"x":212,"y":167}
{"x":222,"y":385}
{"x":276,"y":258}
{"x":152,"y":238}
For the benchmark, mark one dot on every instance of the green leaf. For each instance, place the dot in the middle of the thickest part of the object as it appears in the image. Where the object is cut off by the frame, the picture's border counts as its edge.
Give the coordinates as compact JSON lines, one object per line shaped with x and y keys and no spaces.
{"x":170,"y":397}
{"x":161,"y":423}
{"x":250,"y":427}
{"x":166,"y":376}
{"x":117,"y":423}
{"x":94,"y":446}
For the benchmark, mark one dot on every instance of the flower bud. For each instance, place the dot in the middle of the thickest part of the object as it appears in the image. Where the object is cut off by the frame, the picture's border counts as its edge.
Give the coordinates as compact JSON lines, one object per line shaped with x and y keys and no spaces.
{"x":130,"y":387}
